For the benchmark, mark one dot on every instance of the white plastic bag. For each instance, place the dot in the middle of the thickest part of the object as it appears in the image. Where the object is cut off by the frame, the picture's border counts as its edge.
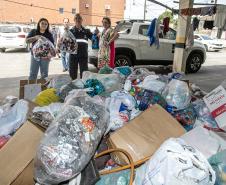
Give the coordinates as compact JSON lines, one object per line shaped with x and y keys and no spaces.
{"x":176,"y":163}
{"x":65,"y":89}
{"x":45,"y":115}
{"x":14,"y":118}
{"x":7,"y":104}
{"x":153,"y":84}
{"x":120,"y":105}
{"x":136,"y":77}
{"x":59,"y":81}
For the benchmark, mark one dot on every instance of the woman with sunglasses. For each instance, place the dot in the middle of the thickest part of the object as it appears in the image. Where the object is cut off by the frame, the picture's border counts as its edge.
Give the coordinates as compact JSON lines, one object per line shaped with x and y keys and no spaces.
{"x":42,"y":30}
{"x":106,"y":54}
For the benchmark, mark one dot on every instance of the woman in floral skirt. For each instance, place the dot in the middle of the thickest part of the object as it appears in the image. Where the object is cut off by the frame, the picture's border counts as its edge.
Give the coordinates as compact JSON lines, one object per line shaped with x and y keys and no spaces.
{"x":106,"y":54}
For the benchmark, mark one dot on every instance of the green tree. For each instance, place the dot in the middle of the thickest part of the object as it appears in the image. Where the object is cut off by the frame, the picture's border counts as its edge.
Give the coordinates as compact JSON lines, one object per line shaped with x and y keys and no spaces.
{"x":166,"y":14}
{"x":170,"y":15}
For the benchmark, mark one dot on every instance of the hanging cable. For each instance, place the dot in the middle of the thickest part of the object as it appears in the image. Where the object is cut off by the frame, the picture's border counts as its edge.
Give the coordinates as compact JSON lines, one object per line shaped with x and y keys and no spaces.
{"x":52,"y":9}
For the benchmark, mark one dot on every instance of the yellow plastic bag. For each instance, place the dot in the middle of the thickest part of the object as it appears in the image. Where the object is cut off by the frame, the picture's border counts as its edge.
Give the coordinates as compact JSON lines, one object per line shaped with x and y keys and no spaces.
{"x":47,"y":97}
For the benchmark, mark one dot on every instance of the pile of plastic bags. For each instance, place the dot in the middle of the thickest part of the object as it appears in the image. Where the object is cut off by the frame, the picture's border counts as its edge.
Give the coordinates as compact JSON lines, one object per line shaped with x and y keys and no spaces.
{"x":101,"y":103}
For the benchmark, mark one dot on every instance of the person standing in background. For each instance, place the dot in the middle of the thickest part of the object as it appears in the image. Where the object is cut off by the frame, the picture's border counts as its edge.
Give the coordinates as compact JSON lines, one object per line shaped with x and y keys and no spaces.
{"x":64,"y":55}
{"x":95,"y":39}
{"x":106,"y":54}
{"x":81,"y":58}
{"x":54,"y":33}
{"x":42,"y":30}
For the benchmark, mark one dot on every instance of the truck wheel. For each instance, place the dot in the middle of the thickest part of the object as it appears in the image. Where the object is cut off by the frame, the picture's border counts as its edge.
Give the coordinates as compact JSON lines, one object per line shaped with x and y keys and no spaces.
{"x":122,"y":60}
{"x":194,"y":62}
{"x":2,"y":50}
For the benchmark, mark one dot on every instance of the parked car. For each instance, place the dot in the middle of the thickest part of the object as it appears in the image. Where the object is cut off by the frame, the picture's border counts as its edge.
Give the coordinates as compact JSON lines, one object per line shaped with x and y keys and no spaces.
{"x":13,"y":37}
{"x":132,"y":48}
{"x":209,"y":43}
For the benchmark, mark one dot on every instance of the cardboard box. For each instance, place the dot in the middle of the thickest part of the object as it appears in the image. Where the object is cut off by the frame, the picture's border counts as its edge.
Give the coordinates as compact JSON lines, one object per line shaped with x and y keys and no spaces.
{"x":142,"y":136}
{"x":216,"y":102}
{"x":16,"y":157}
{"x":26,"y":82}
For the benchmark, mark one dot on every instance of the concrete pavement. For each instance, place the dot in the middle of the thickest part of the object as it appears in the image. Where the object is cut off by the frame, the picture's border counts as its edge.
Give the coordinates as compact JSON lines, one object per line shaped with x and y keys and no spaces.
{"x":14,"y":66}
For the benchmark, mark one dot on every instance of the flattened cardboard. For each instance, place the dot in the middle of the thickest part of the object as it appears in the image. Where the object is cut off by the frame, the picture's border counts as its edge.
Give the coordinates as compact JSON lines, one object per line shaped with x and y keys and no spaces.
{"x":142,"y":136}
{"x":26,"y":82}
{"x":18,"y":153}
{"x":26,"y":177}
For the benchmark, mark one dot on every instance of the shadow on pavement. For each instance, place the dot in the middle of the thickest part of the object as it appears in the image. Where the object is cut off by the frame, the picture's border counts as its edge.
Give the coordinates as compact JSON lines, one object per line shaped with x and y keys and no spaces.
{"x":209,"y":77}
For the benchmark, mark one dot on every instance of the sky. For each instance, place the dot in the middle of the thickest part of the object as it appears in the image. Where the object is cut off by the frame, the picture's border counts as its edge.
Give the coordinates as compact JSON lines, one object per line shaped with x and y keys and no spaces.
{"x":135,"y":8}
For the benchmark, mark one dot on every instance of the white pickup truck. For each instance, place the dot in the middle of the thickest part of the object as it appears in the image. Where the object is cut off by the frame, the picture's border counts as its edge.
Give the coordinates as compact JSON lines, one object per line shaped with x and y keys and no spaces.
{"x":132,"y":48}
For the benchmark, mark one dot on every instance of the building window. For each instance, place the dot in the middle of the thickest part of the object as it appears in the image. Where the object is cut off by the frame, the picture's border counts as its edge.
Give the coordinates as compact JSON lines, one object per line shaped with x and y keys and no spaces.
{"x":61,"y":10}
{"x":73,"y":11}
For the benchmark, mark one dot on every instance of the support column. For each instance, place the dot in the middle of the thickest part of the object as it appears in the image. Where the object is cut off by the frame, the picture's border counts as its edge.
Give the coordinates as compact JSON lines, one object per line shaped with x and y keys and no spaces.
{"x":179,"y":63}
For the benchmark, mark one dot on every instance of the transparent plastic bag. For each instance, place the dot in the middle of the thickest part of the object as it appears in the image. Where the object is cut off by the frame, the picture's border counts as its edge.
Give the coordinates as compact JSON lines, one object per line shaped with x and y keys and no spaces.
{"x":71,"y":140}
{"x":111,"y":82}
{"x":218,"y":163}
{"x":123,"y":71}
{"x":197,"y":92}
{"x":120,"y":105}
{"x":74,"y":94}
{"x":7,"y":104}
{"x":204,"y":115}
{"x":46,"y":114}
{"x":136,"y":78}
{"x":95,"y":86}
{"x":186,"y":117}
{"x":177,"y":94}
{"x":14,"y":118}
{"x":43,"y":49}
{"x":67,"y":43}
{"x":177,"y":163}
{"x":59,"y":81}
{"x":65,"y":89}
{"x":152,"y":83}
{"x":176,"y":76}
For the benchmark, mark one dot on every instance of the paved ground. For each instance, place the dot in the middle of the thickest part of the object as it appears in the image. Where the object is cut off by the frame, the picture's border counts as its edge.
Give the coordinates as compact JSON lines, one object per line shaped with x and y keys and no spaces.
{"x":14,"y":66}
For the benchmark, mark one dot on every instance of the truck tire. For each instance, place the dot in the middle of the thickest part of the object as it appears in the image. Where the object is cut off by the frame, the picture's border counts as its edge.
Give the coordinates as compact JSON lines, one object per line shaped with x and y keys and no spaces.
{"x":122,"y":60}
{"x":194,"y":62}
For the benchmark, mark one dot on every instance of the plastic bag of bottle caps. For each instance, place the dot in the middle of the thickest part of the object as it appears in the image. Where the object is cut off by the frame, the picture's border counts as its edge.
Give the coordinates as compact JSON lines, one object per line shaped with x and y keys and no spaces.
{"x":71,"y":140}
{"x":43,"y":49}
{"x":67,"y":43}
